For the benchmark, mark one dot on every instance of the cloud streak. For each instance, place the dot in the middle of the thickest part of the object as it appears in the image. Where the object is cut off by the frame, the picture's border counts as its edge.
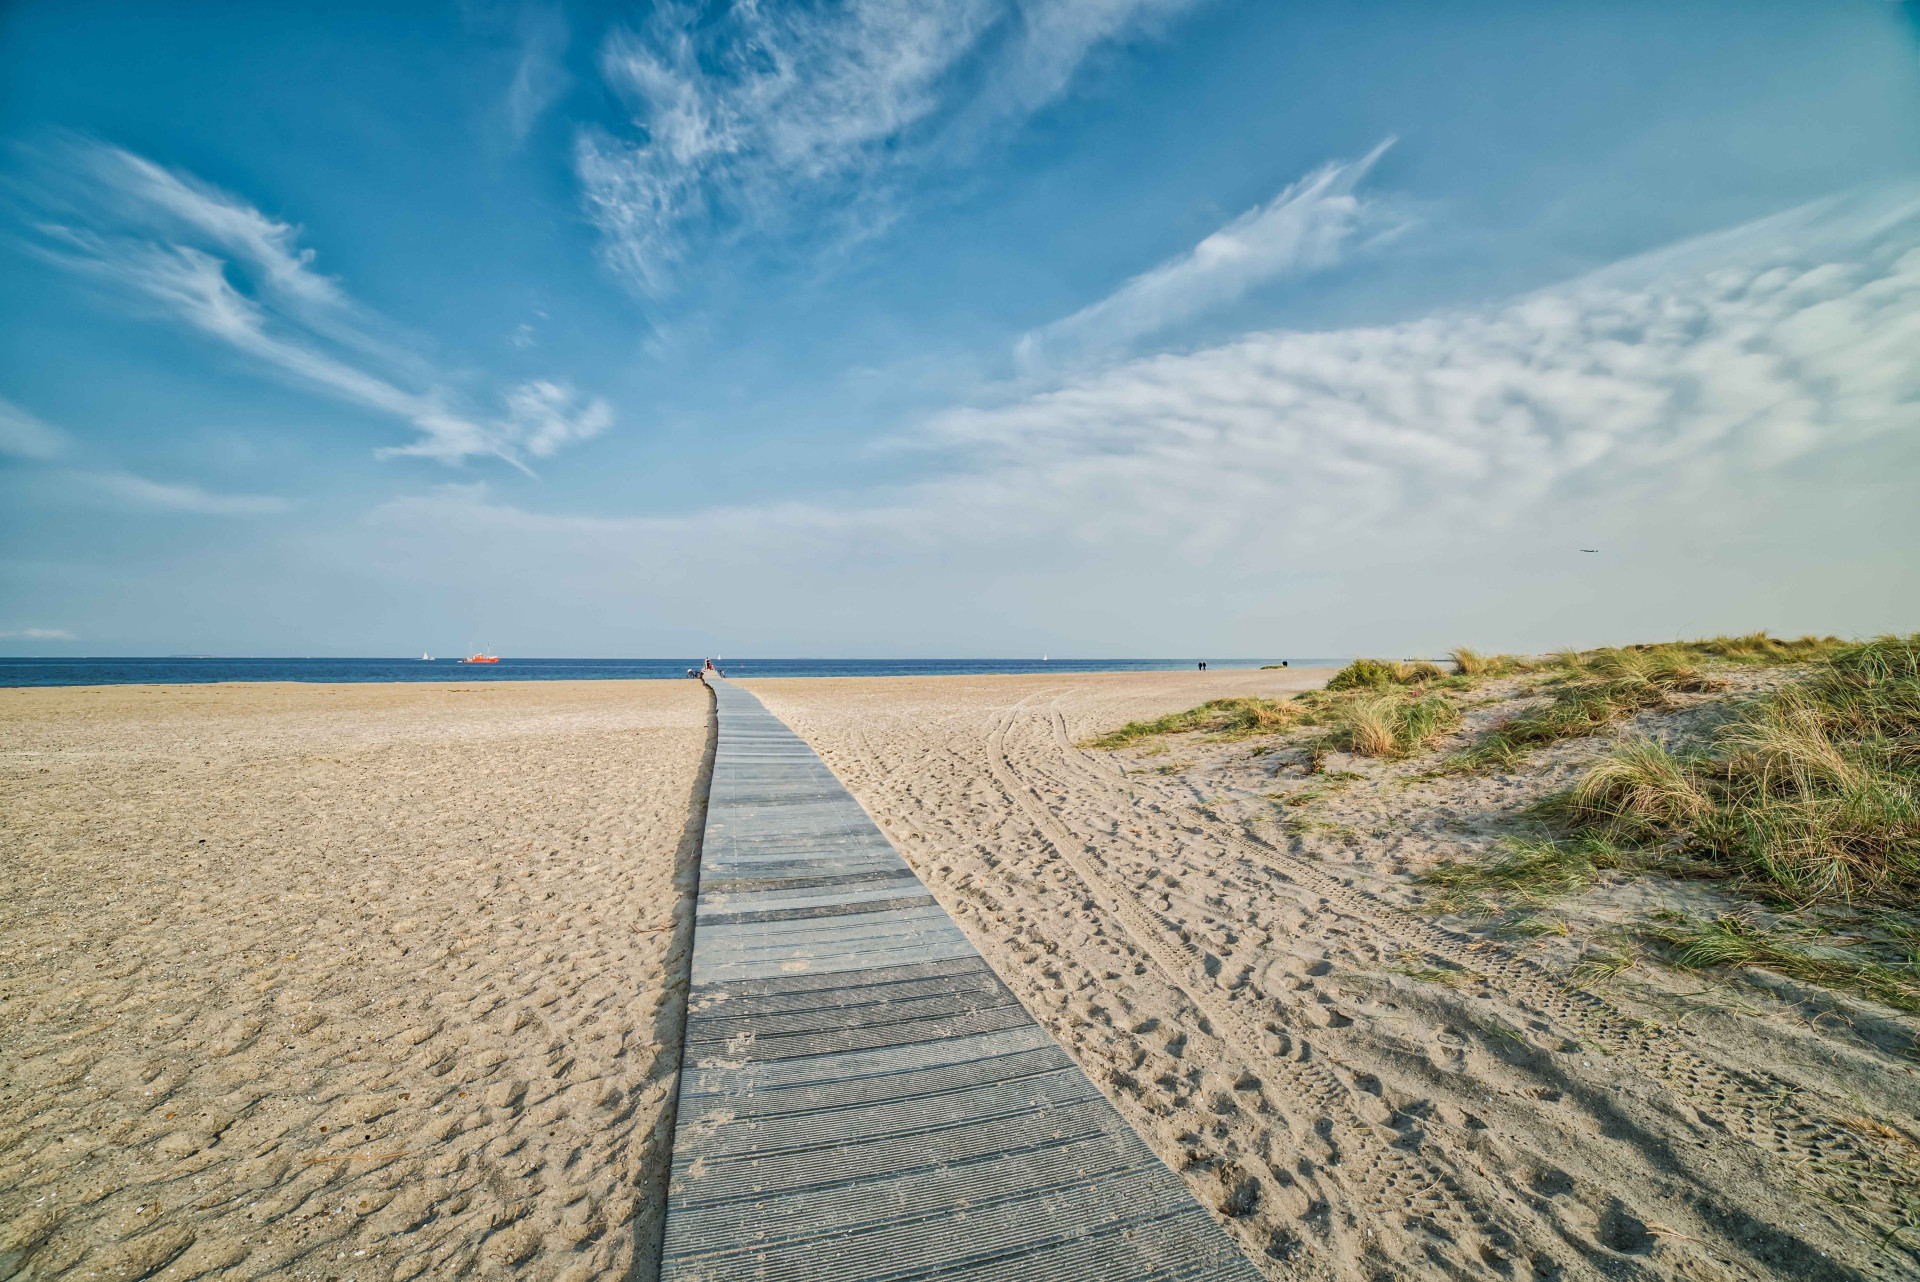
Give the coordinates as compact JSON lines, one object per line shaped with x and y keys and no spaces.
{"x":1757,"y":355}
{"x":1307,"y":227}
{"x":1408,"y":466}
{"x":538,"y":78}
{"x":184,"y":251}
{"x":138,"y":491}
{"x":740,"y":118}
{"x":25,"y":435}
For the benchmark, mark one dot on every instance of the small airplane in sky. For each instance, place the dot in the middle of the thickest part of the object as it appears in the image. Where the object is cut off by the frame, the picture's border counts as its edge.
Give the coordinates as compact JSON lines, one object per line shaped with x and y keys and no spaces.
{"x":1589,"y":549}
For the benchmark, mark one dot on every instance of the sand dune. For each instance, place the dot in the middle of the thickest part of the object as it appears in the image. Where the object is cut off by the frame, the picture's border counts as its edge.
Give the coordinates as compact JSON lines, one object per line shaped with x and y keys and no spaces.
{"x":340,"y":981}
{"x":1358,"y":1091}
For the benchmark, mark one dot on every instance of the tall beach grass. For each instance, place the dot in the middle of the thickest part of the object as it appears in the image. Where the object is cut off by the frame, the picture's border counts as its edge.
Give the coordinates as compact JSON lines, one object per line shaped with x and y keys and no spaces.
{"x":1813,"y":790}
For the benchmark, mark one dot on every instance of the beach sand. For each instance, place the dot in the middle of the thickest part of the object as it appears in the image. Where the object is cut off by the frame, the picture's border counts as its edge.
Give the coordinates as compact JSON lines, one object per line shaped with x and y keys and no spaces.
{"x":1357,"y":1089}
{"x":379,"y":981}
{"x":351,"y":982}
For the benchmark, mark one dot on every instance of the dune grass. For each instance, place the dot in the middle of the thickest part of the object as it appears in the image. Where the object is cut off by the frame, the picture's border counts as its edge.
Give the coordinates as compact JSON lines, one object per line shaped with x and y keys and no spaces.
{"x":1600,"y":688}
{"x":1390,"y":725}
{"x":1227,"y":718}
{"x":1392,"y":708}
{"x":1756,"y":648}
{"x":1812,"y":791}
{"x":1477,"y":666}
{"x":1734,"y":940}
{"x":1525,"y":872}
{"x":1385,"y":674}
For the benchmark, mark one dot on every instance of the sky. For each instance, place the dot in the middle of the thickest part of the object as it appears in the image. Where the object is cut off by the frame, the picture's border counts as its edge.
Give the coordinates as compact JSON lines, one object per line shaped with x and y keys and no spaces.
{"x":956,"y":328}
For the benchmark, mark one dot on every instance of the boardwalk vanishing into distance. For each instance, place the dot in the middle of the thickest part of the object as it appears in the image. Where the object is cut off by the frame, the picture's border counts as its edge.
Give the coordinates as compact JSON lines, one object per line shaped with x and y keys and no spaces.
{"x":862,"y":1098}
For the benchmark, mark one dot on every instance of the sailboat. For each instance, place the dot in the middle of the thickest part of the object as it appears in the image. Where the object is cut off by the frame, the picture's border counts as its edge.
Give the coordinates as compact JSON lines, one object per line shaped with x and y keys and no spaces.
{"x":425,"y":657}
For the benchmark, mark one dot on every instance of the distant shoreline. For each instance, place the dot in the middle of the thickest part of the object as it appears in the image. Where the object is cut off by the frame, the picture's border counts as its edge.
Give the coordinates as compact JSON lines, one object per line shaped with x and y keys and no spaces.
{"x":42,"y":671}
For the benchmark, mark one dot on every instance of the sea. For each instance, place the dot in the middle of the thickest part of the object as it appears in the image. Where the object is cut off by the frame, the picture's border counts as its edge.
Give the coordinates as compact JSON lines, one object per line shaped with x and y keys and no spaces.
{"x":199,"y":669}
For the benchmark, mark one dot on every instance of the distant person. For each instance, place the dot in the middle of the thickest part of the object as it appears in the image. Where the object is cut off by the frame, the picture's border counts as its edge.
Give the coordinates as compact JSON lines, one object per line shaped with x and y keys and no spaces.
{"x":1203,"y":665}
{"x":1283,"y":663}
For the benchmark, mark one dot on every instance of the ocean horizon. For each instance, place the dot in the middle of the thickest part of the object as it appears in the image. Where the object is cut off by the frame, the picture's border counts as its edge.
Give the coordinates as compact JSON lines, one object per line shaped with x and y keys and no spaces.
{"x":205,"y":669}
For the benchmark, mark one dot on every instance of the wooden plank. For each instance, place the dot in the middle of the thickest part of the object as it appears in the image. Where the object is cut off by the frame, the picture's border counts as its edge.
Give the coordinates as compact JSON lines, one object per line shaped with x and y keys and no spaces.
{"x":862,"y":1099}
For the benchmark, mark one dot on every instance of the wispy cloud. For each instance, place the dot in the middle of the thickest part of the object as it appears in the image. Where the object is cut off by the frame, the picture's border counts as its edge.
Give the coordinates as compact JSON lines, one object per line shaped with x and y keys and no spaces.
{"x":744,"y":116}
{"x":138,"y":491}
{"x":1734,"y":356}
{"x":25,"y":435}
{"x":547,"y":417}
{"x":38,"y":634}
{"x":185,"y":251}
{"x":1405,"y":468}
{"x":538,"y":78}
{"x":1307,"y":227}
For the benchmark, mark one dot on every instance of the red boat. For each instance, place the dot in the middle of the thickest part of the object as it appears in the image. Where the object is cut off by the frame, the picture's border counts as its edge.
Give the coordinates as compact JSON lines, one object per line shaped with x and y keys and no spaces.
{"x":481,"y":658}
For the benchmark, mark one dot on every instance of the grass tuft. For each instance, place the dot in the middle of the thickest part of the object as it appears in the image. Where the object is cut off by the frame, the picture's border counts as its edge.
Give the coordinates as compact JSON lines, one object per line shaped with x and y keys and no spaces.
{"x":1602,"y":687}
{"x":1393,"y":724}
{"x":1733,"y":940}
{"x":1523,"y":872}
{"x":1637,"y":790}
{"x":1367,"y":674}
{"x":1385,"y":674}
{"x":1228,"y":718}
{"x":1759,"y":648}
{"x":1813,"y":790}
{"x":1472,"y":663}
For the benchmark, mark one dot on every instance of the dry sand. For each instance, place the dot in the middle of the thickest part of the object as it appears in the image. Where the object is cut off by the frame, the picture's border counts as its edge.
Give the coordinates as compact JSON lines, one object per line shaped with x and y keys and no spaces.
{"x":1359,"y":1091}
{"x":378,"y":981}
{"x":354,"y":982}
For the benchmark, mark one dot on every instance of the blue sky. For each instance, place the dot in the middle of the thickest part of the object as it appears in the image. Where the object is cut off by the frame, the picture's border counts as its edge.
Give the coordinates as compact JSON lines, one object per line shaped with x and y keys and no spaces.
{"x":956,"y":327}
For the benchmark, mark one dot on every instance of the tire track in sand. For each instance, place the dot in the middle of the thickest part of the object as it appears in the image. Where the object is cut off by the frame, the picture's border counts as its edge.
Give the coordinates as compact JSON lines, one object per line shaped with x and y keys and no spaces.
{"x":970,"y":778}
{"x":1374,"y":1168}
{"x":1868,"y":1183}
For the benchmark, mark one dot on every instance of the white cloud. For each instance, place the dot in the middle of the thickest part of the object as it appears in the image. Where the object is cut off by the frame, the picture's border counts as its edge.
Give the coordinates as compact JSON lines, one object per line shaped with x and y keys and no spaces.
{"x":1048,"y":42}
{"x":1307,"y":227}
{"x":1479,"y":419}
{"x":24,"y":435}
{"x":1752,"y":392}
{"x":748,"y":115}
{"x":547,"y":417}
{"x":141,"y":192}
{"x":38,"y":634}
{"x":141,"y":492}
{"x":538,"y":79}
{"x":194,"y":254}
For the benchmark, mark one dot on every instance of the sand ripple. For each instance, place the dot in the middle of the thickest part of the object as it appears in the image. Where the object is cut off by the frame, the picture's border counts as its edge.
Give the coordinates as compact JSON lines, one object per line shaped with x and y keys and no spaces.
{"x":349,"y":981}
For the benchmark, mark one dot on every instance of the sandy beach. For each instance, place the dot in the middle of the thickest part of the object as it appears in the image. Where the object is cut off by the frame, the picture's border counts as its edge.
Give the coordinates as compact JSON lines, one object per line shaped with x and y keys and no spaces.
{"x":353,"y":981}
{"x":1358,"y":1088}
{"x":378,"y":982}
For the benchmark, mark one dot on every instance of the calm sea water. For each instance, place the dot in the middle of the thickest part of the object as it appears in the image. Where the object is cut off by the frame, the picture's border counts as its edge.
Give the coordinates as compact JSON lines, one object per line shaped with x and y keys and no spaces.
{"x":173,"y":671}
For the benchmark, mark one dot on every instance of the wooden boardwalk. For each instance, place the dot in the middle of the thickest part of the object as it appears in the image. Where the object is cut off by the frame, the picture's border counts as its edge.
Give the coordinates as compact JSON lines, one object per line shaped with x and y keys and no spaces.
{"x":862,"y":1099}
